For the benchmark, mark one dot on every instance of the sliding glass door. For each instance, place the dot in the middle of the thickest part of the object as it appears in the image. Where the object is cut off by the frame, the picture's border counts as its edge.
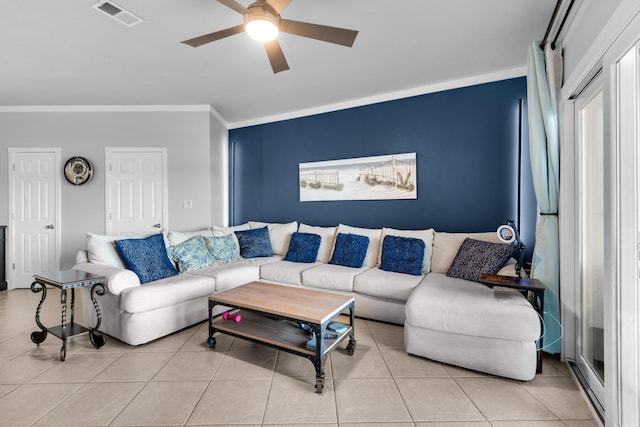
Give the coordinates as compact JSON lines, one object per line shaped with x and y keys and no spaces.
{"x":590,"y":230}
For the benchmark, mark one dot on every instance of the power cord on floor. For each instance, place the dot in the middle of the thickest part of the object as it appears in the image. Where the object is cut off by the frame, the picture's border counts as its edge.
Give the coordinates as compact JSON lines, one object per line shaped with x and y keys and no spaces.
{"x":544,"y":330}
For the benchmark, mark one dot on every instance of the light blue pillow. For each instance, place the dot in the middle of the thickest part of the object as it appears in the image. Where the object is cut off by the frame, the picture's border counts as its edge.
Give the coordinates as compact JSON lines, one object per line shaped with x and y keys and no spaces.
{"x":222,"y":248}
{"x":146,"y":257}
{"x":254,"y":243}
{"x":402,"y":254}
{"x":350,"y":250}
{"x":191,"y":254}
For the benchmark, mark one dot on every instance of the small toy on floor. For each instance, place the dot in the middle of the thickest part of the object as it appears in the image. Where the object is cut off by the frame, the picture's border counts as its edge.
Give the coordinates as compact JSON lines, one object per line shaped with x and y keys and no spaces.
{"x":235,"y":317}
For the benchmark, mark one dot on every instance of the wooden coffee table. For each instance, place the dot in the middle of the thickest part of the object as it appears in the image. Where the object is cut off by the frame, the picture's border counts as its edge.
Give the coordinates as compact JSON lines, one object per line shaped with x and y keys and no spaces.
{"x":271,"y":315}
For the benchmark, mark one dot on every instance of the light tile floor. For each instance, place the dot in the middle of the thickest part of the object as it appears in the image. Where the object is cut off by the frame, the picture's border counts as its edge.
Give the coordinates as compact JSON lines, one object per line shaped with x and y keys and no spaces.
{"x":178,"y":381}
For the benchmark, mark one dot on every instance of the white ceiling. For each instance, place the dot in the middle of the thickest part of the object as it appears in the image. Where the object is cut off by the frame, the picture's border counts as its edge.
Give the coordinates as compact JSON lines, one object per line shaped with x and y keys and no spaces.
{"x":65,"y":53}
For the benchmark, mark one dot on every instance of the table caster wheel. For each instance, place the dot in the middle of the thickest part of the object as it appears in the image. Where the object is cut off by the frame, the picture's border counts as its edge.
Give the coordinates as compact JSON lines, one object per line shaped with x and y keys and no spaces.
{"x":211,"y":342}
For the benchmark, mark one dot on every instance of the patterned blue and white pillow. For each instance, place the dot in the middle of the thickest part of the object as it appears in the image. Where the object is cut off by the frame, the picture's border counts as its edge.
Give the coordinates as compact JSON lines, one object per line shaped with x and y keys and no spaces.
{"x":222,"y":248}
{"x":191,"y":254}
{"x":254,"y":243}
{"x":146,"y":257}
{"x":477,"y":256}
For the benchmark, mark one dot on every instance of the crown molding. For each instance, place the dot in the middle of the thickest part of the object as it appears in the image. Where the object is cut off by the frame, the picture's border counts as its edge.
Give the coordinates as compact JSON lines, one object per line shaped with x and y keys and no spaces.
{"x":390,"y":96}
{"x":218,"y":116}
{"x":102,"y":108}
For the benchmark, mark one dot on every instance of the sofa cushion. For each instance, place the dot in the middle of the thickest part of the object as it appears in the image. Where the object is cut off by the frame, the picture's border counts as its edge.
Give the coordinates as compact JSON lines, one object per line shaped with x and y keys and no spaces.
{"x":350,"y":250}
{"x":146,"y":257}
{"x":458,"y":306}
{"x":191,"y":254}
{"x":328,"y":235}
{"x":446,"y":246}
{"x":102,"y":250}
{"x":303,"y":247}
{"x":330,"y":276}
{"x":476,"y":256}
{"x":425,"y":235}
{"x":254,"y":243}
{"x":235,"y":273}
{"x":223,"y":248}
{"x":386,"y":284}
{"x":374,"y":235}
{"x":402,"y":255}
{"x":280,"y":234}
{"x":170,"y":291}
{"x":177,"y":237}
{"x":284,"y":271}
{"x":223,"y":231}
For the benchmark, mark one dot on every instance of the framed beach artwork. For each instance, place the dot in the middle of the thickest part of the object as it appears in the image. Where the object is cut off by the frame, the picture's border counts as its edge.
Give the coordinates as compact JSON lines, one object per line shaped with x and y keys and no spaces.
{"x":363,"y":178}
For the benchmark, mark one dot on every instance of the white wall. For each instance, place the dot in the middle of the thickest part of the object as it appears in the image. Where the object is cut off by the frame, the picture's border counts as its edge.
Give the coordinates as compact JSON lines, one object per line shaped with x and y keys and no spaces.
{"x":219,"y":171}
{"x":586,"y":23}
{"x":187,"y":135}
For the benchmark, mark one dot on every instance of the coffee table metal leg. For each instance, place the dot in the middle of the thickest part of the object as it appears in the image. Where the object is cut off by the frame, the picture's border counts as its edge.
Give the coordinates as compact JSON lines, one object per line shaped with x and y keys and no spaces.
{"x":351,"y":347}
{"x":319,"y":382}
{"x":211,"y":341}
{"x":319,"y":331}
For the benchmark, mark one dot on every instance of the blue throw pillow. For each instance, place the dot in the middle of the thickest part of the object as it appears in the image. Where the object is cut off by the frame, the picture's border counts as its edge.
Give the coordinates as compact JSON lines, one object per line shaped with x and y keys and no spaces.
{"x":222,"y":248}
{"x":350,"y":250}
{"x":303,"y":247}
{"x":146,"y":257}
{"x":477,"y":256}
{"x":192,"y":254}
{"x":254,"y":243}
{"x":402,"y":254}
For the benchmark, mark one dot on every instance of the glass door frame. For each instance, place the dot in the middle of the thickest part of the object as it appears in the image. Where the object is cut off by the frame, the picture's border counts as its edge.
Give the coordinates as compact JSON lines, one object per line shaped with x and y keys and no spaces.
{"x":622,"y":295}
{"x":594,"y":387}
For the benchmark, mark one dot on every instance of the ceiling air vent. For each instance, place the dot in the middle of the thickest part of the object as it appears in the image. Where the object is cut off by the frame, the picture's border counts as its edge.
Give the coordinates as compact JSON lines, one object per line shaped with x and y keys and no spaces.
{"x":117,"y":13}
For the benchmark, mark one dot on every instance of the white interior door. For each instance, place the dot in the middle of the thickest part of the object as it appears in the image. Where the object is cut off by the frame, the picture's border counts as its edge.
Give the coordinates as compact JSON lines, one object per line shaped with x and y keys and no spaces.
{"x":136,"y":190}
{"x":34,"y":213}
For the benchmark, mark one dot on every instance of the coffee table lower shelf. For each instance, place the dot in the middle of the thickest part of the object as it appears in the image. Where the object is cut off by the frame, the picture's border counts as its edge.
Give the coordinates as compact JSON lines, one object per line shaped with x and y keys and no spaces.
{"x":282,"y":334}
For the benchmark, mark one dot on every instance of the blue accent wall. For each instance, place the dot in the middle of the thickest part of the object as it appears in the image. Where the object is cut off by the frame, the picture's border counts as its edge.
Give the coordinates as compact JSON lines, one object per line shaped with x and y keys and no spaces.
{"x":466,"y":145}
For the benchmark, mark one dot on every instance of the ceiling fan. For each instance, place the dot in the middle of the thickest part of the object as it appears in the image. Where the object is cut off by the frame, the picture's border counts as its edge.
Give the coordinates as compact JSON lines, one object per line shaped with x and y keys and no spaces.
{"x":262,"y":22}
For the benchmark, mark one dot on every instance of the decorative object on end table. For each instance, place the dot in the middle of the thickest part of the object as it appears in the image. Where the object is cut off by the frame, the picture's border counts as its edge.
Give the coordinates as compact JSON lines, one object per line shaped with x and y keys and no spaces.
{"x":509,"y":233}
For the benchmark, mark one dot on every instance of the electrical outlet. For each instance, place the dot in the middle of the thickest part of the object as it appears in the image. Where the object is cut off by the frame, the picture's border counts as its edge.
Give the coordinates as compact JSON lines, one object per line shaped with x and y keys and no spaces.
{"x":188,"y":204}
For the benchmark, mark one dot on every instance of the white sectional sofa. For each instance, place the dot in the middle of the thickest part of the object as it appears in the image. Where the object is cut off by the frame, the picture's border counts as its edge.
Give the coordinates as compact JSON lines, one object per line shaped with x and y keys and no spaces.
{"x":446,"y":319}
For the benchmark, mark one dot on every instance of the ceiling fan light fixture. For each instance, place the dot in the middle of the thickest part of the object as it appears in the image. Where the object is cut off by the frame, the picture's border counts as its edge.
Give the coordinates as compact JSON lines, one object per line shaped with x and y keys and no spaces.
{"x":261,"y":24}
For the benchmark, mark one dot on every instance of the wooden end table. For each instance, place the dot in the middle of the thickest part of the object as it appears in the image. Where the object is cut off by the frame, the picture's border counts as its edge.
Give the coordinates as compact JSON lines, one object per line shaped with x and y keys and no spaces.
{"x":64,"y":280}
{"x":271,"y":315}
{"x":523,"y":284}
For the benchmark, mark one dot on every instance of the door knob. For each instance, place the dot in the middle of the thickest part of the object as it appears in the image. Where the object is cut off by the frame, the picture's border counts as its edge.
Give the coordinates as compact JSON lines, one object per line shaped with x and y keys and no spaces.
{"x":50,"y":227}
{"x":157,"y":225}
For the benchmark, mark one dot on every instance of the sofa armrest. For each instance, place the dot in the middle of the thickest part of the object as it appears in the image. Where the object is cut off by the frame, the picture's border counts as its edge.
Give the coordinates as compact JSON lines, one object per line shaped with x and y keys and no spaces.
{"x":118,"y":279}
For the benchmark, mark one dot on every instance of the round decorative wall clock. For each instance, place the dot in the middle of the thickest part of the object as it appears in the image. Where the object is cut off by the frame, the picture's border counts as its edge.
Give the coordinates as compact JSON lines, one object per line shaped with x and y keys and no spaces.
{"x":78,"y":170}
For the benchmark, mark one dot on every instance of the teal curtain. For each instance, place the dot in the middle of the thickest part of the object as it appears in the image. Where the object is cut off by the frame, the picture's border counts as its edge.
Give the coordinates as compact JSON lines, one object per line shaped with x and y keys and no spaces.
{"x":545,"y":165}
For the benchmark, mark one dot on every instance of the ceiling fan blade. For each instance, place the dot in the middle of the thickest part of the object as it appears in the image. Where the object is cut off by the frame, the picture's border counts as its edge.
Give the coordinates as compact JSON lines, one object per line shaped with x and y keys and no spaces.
{"x":324,"y":33}
{"x":208,"y":38}
{"x":276,"y":56}
{"x":232,"y":4}
{"x":278,"y":5}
